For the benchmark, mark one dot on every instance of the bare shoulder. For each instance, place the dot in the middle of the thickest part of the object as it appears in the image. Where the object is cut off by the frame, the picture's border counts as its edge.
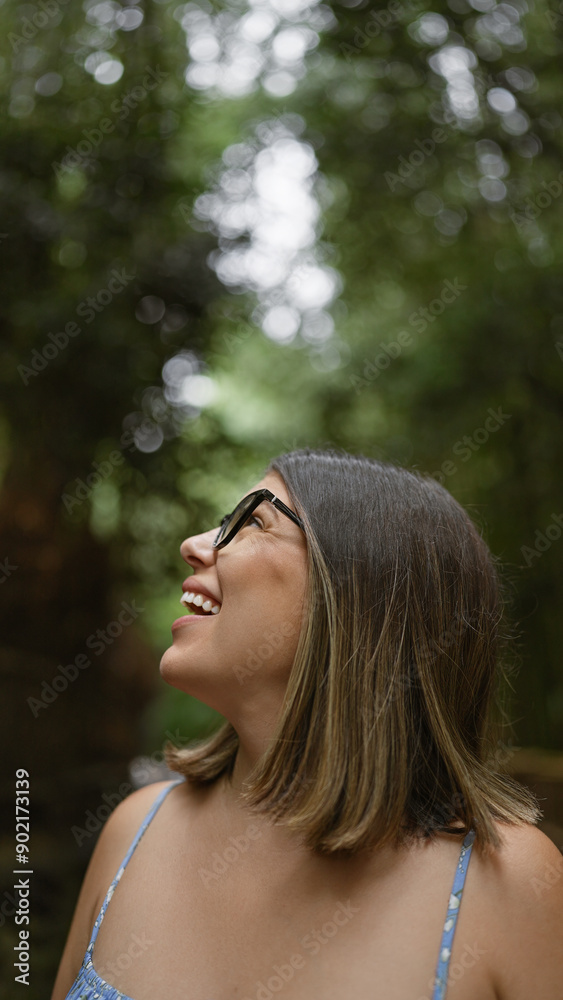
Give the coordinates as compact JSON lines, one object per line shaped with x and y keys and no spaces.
{"x":116,"y":837}
{"x":525,"y":850}
{"x":111,"y":847}
{"x":524,"y":881}
{"x":130,"y":812}
{"x":115,"y":840}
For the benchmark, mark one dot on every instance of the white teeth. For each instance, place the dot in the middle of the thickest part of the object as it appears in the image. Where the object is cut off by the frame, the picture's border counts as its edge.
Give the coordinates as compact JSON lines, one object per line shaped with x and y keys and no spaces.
{"x":191,"y":597}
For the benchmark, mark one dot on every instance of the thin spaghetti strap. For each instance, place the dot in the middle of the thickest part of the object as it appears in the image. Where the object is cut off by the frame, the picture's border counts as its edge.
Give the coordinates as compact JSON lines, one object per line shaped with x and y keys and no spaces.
{"x":441,"y":980}
{"x":160,"y":797}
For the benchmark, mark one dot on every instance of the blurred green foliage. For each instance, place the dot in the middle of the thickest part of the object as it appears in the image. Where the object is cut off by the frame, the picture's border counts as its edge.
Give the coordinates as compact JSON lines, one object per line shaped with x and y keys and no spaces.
{"x":405,"y":217}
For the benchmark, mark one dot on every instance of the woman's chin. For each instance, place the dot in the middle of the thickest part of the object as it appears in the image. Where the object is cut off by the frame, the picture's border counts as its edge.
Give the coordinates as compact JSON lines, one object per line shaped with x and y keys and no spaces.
{"x":196,"y":683}
{"x":173,"y":668}
{"x":177,"y":670}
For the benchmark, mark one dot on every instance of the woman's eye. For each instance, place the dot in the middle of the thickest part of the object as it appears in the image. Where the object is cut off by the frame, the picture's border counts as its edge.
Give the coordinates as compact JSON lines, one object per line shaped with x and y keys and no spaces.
{"x":252,"y":518}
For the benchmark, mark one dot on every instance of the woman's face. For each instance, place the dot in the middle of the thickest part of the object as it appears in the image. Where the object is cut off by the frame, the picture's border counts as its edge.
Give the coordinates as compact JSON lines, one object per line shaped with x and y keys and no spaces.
{"x":239,"y":659}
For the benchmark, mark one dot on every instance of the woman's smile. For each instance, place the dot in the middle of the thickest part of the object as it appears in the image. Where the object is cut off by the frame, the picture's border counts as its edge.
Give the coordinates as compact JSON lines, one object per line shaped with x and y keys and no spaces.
{"x":196,"y":595}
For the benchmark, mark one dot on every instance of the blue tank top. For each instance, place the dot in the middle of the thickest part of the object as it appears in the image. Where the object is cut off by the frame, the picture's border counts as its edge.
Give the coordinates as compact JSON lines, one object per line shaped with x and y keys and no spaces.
{"x":88,"y":985}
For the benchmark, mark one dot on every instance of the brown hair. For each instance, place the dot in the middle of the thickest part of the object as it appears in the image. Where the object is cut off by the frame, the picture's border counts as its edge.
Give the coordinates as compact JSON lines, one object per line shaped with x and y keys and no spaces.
{"x":394,"y":706}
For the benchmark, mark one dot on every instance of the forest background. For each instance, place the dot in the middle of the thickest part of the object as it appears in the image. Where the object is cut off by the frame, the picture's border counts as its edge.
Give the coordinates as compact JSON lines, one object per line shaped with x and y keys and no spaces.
{"x":230,"y":229}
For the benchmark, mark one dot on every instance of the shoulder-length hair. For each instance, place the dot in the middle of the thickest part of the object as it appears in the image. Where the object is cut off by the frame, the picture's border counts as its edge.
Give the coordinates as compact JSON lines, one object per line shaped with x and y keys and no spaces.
{"x":390,"y":727}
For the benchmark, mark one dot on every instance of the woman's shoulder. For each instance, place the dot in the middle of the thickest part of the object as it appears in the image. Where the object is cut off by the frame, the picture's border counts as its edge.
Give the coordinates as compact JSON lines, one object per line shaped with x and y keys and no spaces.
{"x":520,"y":895}
{"x":115,"y":839}
{"x":525,"y":857}
{"x":522,"y":846}
{"x":112,"y":845}
{"x":128,"y":815}
{"x":120,"y":829}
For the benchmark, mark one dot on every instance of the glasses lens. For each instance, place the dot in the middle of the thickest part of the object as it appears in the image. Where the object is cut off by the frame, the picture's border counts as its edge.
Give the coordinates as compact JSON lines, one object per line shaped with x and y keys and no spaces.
{"x":230,"y":520}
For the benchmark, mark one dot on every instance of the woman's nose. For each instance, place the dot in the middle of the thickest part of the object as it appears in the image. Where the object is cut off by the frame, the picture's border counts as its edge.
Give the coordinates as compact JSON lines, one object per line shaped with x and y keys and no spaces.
{"x":199,"y":548}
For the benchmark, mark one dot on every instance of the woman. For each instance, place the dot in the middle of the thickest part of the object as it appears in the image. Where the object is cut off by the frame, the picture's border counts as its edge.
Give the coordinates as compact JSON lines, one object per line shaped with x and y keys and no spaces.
{"x":347,"y":627}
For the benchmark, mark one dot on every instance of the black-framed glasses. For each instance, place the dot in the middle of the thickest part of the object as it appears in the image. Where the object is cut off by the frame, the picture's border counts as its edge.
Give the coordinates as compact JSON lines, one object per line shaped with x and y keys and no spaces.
{"x":232,"y":523}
